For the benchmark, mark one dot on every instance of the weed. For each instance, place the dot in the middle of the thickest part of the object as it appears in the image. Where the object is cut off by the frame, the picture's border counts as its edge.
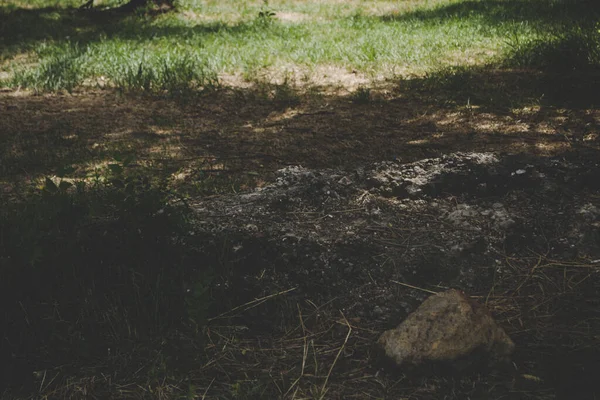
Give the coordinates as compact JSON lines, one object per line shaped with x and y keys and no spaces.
{"x":266,"y":14}
{"x":169,"y":74}
{"x":362,"y":95}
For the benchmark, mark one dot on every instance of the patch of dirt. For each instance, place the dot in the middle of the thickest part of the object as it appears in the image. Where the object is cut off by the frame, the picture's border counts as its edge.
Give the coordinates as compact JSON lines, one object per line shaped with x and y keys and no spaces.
{"x":260,"y":127}
{"x":291,"y":16}
{"x":362,"y":207}
{"x":194,"y":16}
{"x":329,"y":79}
{"x":352,"y":252}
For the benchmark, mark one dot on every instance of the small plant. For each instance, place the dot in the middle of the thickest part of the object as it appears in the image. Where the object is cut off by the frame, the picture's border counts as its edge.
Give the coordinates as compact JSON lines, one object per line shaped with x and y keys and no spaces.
{"x":266,"y":14}
{"x":362,"y":95}
{"x":266,"y":11}
{"x":285,"y":93}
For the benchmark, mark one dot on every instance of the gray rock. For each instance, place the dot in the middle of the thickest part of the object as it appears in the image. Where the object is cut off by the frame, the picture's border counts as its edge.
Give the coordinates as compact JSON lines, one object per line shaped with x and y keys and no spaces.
{"x":462,"y":215}
{"x":589,"y":211}
{"x":447,"y":328}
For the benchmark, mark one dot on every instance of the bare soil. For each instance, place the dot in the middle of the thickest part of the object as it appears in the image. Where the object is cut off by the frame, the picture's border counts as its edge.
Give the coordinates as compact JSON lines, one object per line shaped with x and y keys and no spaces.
{"x":349,"y":253}
{"x":263,"y":127}
{"x":331,"y":218}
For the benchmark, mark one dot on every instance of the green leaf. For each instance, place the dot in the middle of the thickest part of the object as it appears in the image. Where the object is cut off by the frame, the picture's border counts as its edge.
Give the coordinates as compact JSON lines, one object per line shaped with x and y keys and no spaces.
{"x":118,"y":183}
{"x":64,"y":171}
{"x":50,"y":186}
{"x":64,"y":185}
{"x":128,"y":160}
{"x":115,"y":169}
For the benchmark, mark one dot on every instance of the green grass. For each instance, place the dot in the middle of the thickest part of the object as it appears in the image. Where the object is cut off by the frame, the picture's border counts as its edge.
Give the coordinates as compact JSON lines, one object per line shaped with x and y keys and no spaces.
{"x":52,"y":48}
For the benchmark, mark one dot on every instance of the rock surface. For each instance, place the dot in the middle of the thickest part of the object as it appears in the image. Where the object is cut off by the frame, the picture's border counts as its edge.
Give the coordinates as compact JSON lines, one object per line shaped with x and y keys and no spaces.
{"x":447,"y":328}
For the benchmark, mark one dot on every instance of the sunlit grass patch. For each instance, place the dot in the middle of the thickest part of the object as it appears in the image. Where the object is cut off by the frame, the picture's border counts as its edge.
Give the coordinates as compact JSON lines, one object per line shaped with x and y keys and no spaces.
{"x":61,"y":70}
{"x":208,"y":38}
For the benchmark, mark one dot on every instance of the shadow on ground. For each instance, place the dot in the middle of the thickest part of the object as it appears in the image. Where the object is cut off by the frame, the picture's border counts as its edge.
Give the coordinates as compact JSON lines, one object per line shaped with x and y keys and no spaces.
{"x":494,"y":12}
{"x":236,"y":138}
{"x":22,"y":29}
{"x":307,"y":277}
{"x":254,"y":131}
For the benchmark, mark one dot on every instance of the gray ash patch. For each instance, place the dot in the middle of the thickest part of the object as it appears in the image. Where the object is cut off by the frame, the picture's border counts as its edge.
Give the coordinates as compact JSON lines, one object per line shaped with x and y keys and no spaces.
{"x":440,"y":221}
{"x":520,"y":232}
{"x":430,"y":176}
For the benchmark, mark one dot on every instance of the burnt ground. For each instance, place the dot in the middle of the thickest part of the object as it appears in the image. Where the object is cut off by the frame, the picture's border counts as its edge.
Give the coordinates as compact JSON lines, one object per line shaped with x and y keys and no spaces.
{"x":360,"y":249}
{"x":330,"y":217}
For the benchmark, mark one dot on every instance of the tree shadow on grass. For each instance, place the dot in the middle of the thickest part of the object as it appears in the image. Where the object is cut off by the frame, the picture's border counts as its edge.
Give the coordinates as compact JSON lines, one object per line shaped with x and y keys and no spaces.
{"x":494,"y":12}
{"x":504,"y":89}
{"x":542,"y":98}
{"x":568,"y":38}
{"x":559,"y":69}
{"x":22,"y":29}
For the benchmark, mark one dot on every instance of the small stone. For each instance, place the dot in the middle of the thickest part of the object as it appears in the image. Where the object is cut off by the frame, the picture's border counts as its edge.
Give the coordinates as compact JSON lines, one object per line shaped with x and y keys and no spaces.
{"x":251,"y":228}
{"x":413,"y":190}
{"x":447,"y":328}
{"x":345,"y":181}
{"x":589,"y":212}
{"x":505,"y":223}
